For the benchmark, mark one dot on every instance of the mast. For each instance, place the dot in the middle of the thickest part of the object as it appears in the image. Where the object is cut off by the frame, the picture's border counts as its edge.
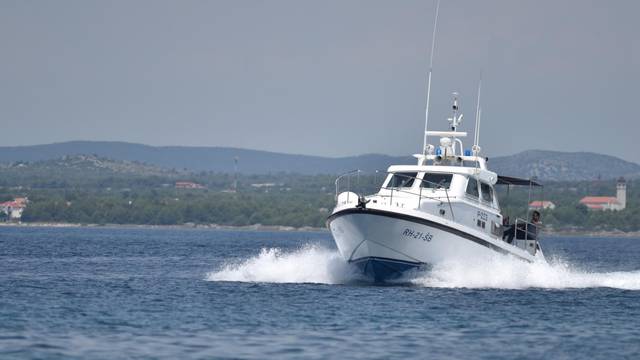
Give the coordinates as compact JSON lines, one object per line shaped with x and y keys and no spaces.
{"x":433,"y":45}
{"x":455,"y":120}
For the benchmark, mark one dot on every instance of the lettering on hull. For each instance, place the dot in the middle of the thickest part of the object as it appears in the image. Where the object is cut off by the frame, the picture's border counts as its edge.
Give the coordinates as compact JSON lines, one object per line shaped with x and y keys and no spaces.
{"x":424,"y":236}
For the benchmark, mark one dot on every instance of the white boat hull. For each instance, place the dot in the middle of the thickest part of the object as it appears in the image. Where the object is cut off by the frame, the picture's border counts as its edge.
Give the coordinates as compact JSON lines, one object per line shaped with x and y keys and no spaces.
{"x":384,"y":244}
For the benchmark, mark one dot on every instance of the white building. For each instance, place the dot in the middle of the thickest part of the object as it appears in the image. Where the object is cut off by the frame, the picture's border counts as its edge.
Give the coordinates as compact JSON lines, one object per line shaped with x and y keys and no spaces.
{"x":13,"y":209}
{"x":541,"y":205}
{"x":619,"y":202}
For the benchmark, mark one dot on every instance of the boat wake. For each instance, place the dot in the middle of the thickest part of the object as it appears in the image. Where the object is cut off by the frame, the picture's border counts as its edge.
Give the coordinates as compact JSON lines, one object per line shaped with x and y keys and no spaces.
{"x":309,"y":264}
{"x":502,"y":272}
{"x":316,"y":264}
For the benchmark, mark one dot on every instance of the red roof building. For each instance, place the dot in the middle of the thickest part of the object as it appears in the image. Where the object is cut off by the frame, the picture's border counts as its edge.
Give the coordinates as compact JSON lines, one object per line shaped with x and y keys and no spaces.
{"x":601,"y":202}
{"x":12,"y":204}
{"x":13,"y":209}
{"x":541,"y":205}
{"x":619,"y":202}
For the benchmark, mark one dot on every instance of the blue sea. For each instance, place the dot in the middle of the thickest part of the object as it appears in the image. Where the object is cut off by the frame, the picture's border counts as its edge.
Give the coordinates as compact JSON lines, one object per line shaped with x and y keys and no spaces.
{"x":105,"y":293}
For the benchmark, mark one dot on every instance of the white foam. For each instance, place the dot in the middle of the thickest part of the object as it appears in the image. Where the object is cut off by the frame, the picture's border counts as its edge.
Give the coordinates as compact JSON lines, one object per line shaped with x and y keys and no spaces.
{"x":316,"y":264}
{"x":310,"y":264}
{"x":503,"y":272}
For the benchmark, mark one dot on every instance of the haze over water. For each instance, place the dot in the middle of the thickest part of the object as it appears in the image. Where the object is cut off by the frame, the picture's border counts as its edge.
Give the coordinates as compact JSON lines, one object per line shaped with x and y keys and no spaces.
{"x":158,"y":293}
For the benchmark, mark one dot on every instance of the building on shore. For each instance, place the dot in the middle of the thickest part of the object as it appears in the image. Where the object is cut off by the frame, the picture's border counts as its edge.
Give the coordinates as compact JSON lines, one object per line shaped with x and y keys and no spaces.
{"x":598,"y":203}
{"x":13,"y":209}
{"x":189,"y":185}
{"x":541,"y":205}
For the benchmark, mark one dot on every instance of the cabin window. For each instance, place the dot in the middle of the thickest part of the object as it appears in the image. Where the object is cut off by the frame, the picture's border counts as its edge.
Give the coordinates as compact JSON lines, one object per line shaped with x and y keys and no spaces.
{"x":487,"y":192}
{"x":399,"y":180}
{"x":436,"y":181}
{"x":472,"y":188}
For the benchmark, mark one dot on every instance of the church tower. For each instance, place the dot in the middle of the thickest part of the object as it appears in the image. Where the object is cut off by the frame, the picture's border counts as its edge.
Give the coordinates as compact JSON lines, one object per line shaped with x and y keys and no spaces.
{"x":621,"y":193}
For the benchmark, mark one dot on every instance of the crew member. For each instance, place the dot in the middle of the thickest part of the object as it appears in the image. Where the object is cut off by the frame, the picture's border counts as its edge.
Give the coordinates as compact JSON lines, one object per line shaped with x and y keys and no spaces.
{"x":530,"y":229}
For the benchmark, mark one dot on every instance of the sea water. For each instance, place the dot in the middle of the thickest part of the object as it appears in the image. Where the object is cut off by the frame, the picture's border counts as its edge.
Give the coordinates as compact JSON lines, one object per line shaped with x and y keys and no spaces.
{"x":104,"y":293}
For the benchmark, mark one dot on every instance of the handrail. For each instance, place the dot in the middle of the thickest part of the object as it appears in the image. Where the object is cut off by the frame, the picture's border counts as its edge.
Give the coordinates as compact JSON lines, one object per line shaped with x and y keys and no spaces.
{"x":527,"y":235}
{"x":450,"y":207}
{"x":402,"y":173}
{"x":343,"y":175}
{"x":527,"y":224}
{"x":438,"y":198}
{"x":436,"y":186}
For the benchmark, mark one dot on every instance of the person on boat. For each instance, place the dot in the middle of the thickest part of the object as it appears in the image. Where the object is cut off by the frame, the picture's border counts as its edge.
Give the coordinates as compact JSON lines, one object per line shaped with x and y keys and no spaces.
{"x":530,"y":229}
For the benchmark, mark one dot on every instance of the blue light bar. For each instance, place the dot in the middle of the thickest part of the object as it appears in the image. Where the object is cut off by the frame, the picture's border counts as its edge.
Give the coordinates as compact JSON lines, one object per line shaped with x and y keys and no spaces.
{"x":438,"y":151}
{"x":467,"y":152}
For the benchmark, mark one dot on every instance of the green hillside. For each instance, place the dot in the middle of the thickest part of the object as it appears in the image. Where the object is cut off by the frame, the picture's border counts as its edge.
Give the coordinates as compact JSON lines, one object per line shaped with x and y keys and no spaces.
{"x":91,"y":189}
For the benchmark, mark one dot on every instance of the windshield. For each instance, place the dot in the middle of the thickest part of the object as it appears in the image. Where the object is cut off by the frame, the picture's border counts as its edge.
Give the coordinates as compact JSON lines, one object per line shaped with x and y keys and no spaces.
{"x":436,"y":181}
{"x":401,"y":180}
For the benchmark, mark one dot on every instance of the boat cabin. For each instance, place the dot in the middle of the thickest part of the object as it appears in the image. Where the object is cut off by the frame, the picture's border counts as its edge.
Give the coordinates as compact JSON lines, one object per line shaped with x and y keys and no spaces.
{"x":450,"y":183}
{"x":432,"y":183}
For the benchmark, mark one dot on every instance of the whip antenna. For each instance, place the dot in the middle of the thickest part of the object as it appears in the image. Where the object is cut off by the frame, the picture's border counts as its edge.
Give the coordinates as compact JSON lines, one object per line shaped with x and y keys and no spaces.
{"x":476,"y":142}
{"x":433,"y":45}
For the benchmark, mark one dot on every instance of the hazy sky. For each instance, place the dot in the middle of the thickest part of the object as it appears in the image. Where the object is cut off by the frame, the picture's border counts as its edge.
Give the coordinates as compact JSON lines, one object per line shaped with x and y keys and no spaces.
{"x":327,"y":78}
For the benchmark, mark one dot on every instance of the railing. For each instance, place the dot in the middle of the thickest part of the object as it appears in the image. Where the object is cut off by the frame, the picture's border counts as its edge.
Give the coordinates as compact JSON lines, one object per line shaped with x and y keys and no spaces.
{"x":348,"y":176}
{"x":420,"y":195}
{"x":526,"y":231}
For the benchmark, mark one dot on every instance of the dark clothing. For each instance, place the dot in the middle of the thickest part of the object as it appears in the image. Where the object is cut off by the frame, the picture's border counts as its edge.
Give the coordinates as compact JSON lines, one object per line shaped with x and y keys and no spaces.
{"x":509,"y":233}
{"x":528,"y":232}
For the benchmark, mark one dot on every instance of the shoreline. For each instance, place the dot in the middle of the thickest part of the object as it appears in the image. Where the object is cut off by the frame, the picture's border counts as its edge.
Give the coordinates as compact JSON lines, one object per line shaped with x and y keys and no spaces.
{"x":254,"y":227}
{"x":612,"y":234}
{"x":281,"y":228}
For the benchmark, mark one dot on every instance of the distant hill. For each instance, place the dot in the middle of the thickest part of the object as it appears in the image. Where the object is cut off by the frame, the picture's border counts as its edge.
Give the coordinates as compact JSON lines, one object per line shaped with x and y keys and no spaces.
{"x":561,"y":166}
{"x":218,"y":159}
{"x":86,"y":171}
{"x":545,"y":165}
{"x":81,"y":165}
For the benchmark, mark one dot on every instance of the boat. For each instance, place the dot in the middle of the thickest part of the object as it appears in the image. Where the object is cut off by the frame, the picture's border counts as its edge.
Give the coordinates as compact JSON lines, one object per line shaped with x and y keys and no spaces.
{"x":443,"y":208}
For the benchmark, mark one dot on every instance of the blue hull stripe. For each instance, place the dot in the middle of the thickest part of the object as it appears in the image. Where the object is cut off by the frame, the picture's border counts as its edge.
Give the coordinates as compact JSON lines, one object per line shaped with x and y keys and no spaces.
{"x":381,"y":269}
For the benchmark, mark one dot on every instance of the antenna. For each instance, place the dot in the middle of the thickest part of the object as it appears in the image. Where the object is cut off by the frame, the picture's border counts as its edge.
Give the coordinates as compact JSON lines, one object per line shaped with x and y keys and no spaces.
{"x":235,"y":174}
{"x":476,"y":141}
{"x":476,"y":147}
{"x":455,"y":120}
{"x":433,"y":46}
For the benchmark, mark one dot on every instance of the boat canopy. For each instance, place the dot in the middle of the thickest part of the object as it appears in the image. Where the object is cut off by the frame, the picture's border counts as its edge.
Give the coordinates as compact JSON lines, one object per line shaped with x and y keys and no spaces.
{"x":508,"y":180}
